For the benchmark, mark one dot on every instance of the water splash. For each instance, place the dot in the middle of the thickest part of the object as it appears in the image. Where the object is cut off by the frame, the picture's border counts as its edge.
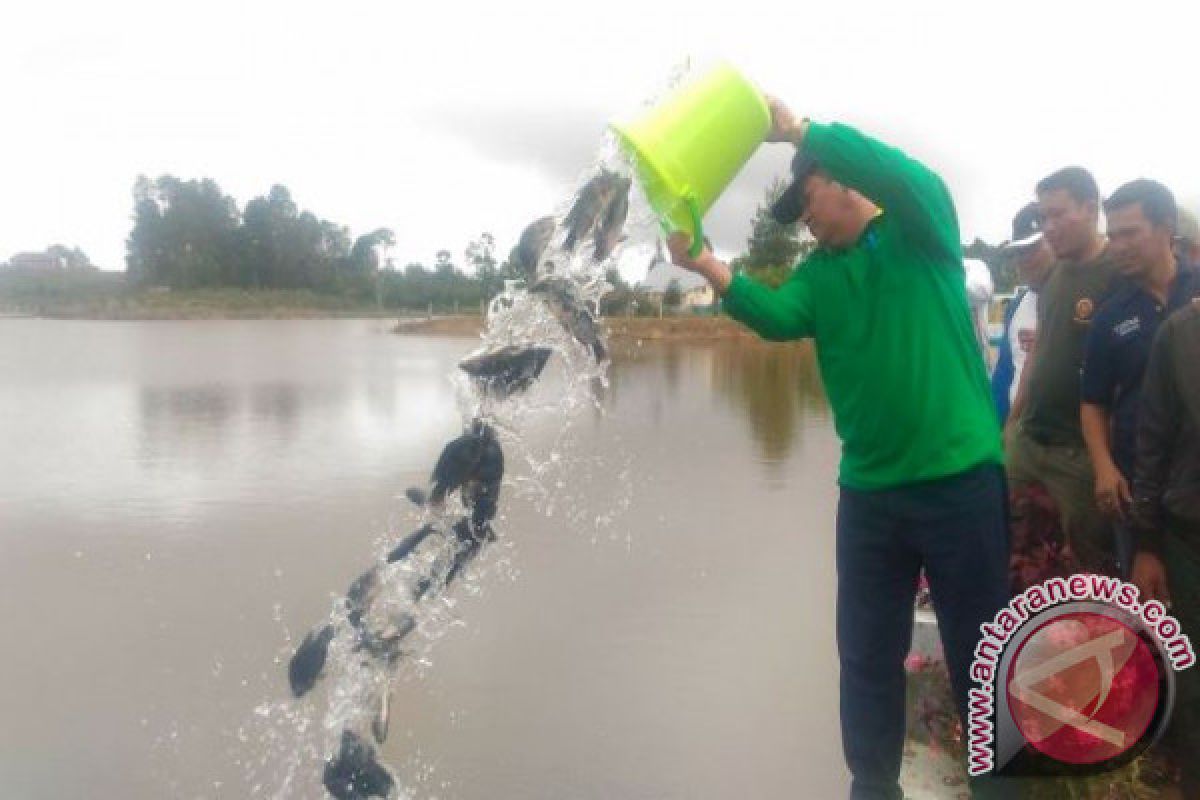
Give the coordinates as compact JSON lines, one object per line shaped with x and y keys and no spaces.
{"x":412,"y":598}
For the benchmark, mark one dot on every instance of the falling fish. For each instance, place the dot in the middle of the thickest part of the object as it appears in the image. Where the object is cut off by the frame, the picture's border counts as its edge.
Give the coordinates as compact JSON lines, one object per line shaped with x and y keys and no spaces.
{"x":590,"y":210}
{"x":533,"y":242}
{"x":608,"y":232}
{"x":504,"y":371}
{"x":564,"y":300}
{"x":382,"y":716}
{"x":309,"y":660}
{"x":411,"y":542}
{"x":355,"y":773}
{"x":473,"y":463}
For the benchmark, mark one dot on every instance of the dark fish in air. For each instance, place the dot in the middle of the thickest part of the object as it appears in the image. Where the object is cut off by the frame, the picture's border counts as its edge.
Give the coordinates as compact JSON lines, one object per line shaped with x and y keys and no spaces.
{"x":533,"y":242}
{"x":591,"y":205}
{"x":354,"y":773}
{"x":505,"y":370}
{"x":309,"y":659}
{"x":564,"y":300}
{"x":608,"y":232}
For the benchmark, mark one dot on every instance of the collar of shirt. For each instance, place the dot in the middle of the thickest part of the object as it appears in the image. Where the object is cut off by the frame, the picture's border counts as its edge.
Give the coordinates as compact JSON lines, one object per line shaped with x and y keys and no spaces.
{"x":1130,"y":300}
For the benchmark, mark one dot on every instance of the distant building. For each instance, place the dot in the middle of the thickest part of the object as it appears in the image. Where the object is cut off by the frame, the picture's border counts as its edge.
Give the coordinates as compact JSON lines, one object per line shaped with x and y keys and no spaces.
{"x":698,"y":297}
{"x":36,"y":262}
{"x":694,"y":290}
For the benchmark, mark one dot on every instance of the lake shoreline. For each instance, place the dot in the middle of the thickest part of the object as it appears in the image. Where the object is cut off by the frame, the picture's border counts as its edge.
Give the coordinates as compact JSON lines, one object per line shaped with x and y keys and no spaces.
{"x":689,"y":328}
{"x":198,"y":314}
{"x":671,"y":328}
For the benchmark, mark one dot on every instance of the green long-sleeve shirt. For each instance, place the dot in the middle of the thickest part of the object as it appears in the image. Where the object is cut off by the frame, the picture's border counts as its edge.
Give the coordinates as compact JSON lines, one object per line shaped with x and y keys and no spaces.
{"x":889,"y":315}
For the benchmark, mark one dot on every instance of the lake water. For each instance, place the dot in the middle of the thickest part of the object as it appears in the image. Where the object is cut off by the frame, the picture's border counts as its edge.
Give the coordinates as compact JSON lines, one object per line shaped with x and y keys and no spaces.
{"x":179,"y":501}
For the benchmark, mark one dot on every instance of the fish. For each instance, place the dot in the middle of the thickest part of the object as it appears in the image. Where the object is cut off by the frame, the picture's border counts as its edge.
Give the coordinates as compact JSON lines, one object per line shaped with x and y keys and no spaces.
{"x":409,"y":543}
{"x":355,"y":773}
{"x":456,"y":463}
{"x":532,"y":244}
{"x":309,"y":660}
{"x":504,"y":371}
{"x":474,"y":463}
{"x":471,"y":538}
{"x":482,"y":493}
{"x":590,"y":206}
{"x":609,"y":232}
{"x":382,"y":717}
{"x":572,"y":312}
{"x":359,"y":593}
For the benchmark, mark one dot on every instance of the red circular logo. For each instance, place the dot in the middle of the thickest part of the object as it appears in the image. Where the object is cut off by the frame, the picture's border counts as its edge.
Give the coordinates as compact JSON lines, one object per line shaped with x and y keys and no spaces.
{"x":1083,"y":688}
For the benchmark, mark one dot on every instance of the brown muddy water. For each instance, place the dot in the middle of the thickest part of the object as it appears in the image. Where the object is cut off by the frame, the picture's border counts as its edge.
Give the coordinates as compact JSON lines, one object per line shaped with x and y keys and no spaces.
{"x":179,"y":501}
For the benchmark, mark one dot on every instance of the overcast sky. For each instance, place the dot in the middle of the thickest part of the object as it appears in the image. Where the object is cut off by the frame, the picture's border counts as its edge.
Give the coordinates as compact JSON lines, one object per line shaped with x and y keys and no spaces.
{"x":442,"y":120}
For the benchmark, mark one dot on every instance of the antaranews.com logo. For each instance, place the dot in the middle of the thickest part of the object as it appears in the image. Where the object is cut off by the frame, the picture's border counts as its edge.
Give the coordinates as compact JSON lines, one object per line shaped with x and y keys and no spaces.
{"x":1074,"y":676}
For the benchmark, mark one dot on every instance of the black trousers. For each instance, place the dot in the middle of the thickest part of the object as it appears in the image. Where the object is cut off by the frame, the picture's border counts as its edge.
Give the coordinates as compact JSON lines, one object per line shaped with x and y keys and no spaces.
{"x":957,"y":529}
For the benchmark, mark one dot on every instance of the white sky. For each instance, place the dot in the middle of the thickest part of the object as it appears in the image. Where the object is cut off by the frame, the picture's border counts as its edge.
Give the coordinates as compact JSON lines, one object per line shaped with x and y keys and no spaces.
{"x":442,"y":119}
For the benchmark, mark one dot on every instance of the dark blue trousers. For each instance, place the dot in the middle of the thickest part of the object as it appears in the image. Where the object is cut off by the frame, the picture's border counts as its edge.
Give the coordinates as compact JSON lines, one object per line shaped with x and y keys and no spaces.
{"x":957,"y":529}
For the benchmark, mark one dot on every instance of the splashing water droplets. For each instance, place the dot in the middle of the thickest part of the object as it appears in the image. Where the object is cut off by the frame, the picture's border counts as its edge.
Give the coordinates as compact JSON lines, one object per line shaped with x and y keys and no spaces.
{"x":385,"y":628}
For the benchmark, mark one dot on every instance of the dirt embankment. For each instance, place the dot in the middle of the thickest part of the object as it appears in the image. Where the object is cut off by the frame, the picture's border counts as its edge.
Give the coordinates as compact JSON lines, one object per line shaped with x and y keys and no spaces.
{"x":619,"y":328}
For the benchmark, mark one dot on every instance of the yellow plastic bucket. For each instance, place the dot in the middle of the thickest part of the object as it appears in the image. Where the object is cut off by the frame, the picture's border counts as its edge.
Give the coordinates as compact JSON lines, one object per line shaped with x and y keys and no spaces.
{"x":688,"y":148}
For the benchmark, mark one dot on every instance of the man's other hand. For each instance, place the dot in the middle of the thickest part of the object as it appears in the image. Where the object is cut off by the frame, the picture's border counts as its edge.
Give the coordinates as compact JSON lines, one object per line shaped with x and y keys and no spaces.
{"x":679,"y":243}
{"x":784,"y":125}
{"x":1112,"y":492}
{"x":1150,"y":576}
{"x":705,"y":264}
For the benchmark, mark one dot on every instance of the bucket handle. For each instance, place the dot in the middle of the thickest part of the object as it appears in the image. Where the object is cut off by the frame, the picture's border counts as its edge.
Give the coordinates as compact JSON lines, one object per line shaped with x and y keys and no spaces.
{"x":697,"y":228}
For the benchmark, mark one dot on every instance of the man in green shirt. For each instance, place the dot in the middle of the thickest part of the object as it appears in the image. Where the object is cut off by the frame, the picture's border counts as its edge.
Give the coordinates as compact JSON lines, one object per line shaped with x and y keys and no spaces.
{"x":884,"y":298}
{"x":1044,"y":435}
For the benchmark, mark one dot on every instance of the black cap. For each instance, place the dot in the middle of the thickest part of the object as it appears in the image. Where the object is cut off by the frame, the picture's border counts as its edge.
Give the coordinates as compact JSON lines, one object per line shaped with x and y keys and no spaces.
{"x":1027,"y":228}
{"x":790,"y":205}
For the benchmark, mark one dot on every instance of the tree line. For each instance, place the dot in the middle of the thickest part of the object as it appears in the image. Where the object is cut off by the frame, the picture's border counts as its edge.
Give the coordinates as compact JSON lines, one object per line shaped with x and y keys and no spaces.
{"x":190,"y":234}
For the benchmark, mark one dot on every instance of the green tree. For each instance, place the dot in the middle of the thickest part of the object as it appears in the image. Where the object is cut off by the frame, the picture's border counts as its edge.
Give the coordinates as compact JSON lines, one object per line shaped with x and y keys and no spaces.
{"x":772,"y":249}
{"x":144,"y":247}
{"x":183,"y":233}
{"x":72,"y":258}
{"x":264,"y":241}
{"x":365,"y":256}
{"x":673,"y":294}
{"x":480,"y":254}
{"x":620,"y":298}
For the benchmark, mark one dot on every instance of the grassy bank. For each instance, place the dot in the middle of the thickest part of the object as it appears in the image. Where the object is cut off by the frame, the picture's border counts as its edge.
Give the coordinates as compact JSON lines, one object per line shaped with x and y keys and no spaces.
{"x":107,"y":295}
{"x":207,"y":304}
{"x":96,"y":294}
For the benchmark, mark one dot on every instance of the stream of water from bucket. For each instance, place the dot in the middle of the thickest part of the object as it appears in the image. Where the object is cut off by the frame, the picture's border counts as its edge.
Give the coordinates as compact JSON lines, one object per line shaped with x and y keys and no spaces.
{"x":294,"y":739}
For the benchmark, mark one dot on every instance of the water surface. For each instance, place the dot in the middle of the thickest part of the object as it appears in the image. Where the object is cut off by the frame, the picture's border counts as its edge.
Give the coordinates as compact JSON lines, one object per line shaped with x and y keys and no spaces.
{"x":179,"y":500}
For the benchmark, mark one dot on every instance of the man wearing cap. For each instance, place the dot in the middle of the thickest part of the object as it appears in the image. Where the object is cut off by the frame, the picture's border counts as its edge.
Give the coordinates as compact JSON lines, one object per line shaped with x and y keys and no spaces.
{"x":1033,"y":259}
{"x":1141,"y":229}
{"x":980,"y":289}
{"x":1044,"y":434}
{"x":883,"y":296}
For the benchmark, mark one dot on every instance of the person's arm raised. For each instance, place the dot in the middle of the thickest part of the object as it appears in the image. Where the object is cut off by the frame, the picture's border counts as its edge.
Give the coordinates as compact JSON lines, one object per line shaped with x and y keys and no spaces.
{"x":779,"y":314}
{"x":902,"y":186}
